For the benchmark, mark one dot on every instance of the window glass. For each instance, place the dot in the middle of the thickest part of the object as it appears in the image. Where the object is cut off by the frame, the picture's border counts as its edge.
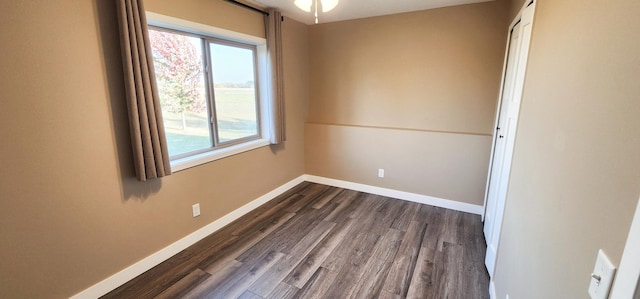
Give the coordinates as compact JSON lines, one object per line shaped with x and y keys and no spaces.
{"x":235,"y":91}
{"x":208,"y":94}
{"x":179,"y":69}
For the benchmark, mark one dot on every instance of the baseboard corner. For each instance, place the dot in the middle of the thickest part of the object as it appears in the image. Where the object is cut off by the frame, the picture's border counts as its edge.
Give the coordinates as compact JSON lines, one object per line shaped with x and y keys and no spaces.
{"x":408,"y":196}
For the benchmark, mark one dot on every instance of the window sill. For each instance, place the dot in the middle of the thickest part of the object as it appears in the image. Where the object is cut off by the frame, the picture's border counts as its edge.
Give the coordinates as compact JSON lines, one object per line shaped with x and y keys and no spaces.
{"x":195,"y":160}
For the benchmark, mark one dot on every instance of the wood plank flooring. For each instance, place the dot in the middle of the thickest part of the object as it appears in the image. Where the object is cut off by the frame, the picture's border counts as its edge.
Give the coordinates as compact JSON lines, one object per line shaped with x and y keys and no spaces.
{"x":317,"y":241}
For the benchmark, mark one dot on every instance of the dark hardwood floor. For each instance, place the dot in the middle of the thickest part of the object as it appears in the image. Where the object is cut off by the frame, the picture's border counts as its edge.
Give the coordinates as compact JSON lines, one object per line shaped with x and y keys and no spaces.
{"x":317,"y":241}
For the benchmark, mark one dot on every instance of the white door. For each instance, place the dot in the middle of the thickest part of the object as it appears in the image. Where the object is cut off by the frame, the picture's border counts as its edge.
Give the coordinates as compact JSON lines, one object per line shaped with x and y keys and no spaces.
{"x":505,"y":134}
{"x":499,"y":147}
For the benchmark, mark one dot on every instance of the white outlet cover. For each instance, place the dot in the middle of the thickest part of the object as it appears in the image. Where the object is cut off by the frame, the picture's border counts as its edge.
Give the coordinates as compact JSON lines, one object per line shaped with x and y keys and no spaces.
{"x":195,"y":210}
{"x":380,"y":173}
{"x":605,"y":270}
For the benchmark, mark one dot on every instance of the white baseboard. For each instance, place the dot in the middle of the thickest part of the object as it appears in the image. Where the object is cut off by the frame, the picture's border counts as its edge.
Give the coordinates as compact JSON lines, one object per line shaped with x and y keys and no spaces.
{"x":103,"y":287}
{"x":419,"y":198}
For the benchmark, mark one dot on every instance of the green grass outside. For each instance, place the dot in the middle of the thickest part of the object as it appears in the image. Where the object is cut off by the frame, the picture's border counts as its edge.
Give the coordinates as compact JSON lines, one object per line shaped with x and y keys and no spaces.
{"x":236,"y":119}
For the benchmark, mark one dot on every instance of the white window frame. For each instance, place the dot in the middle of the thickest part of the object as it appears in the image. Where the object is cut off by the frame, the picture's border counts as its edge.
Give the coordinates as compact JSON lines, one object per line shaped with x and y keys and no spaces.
{"x":265,"y":117}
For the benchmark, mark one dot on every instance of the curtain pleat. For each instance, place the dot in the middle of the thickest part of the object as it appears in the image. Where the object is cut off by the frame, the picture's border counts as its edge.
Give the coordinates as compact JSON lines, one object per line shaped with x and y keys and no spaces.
{"x":150,"y":152}
{"x":273,"y":26}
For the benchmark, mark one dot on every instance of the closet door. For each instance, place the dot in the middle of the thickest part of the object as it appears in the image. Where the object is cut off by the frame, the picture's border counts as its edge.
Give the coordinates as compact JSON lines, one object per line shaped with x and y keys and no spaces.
{"x":505,"y":134}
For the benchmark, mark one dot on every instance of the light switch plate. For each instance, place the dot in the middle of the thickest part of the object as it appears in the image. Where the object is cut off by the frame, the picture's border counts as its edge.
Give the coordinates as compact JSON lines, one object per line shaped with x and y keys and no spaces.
{"x":602,"y":277}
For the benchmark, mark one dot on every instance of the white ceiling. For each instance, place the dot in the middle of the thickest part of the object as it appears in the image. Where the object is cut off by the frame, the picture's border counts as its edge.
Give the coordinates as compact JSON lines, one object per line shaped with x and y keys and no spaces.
{"x":356,"y":9}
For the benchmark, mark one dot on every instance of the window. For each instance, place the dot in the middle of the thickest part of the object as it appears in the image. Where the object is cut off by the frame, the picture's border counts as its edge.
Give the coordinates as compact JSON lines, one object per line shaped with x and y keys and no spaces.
{"x":208,"y":84}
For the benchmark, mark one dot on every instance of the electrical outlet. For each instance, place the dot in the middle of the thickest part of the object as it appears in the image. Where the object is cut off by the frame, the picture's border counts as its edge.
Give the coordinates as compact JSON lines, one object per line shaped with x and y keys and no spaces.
{"x":195,"y":210}
{"x":380,"y":173}
{"x":602,"y":277}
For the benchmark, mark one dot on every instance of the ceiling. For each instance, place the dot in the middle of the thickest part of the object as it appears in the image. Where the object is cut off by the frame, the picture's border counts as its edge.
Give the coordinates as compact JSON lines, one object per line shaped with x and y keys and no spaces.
{"x":356,"y":9}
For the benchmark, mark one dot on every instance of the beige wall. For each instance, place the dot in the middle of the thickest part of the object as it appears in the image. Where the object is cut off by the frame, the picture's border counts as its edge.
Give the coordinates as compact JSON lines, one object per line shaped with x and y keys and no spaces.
{"x":418,"y":103}
{"x":213,"y":13}
{"x":413,"y":160}
{"x":71,"y":211}
{"x":514,"y":8}
{"x":576,"y":171}
{"x":412,"y":93}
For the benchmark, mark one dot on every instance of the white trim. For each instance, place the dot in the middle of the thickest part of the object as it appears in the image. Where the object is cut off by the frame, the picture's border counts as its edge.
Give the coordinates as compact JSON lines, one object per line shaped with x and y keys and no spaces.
{"x":495,"y":125}
{"x":103,"y":287}
{"x":628,"y":275}
{"x":492,"y":289}
{"x":216,"y":154}
{"x":419,"y":198}
{"x":156,"y":19}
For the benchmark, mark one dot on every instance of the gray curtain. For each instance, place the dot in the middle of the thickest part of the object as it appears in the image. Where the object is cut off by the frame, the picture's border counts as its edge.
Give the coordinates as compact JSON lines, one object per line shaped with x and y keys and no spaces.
{"x":150,"y":153}
{"x":273,"y":26}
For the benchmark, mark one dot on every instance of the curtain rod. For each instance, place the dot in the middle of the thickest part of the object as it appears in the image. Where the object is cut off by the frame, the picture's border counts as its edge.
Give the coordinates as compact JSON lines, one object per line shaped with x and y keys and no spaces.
{"x":248,"y":7}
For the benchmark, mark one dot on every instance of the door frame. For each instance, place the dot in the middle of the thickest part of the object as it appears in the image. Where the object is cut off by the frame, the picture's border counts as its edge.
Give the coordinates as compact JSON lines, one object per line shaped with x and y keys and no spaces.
{"x":627,"y":279}
{"x":526,"y":18}
{"x":497,"y":118}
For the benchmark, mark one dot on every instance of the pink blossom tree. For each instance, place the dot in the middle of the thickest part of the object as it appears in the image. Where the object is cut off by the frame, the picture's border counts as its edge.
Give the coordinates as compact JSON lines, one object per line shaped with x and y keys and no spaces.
{"x":179,"y":73}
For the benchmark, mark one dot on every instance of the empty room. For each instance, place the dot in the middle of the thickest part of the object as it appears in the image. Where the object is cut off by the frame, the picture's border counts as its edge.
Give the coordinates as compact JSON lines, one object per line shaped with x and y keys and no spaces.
{"x":320,"y":149}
